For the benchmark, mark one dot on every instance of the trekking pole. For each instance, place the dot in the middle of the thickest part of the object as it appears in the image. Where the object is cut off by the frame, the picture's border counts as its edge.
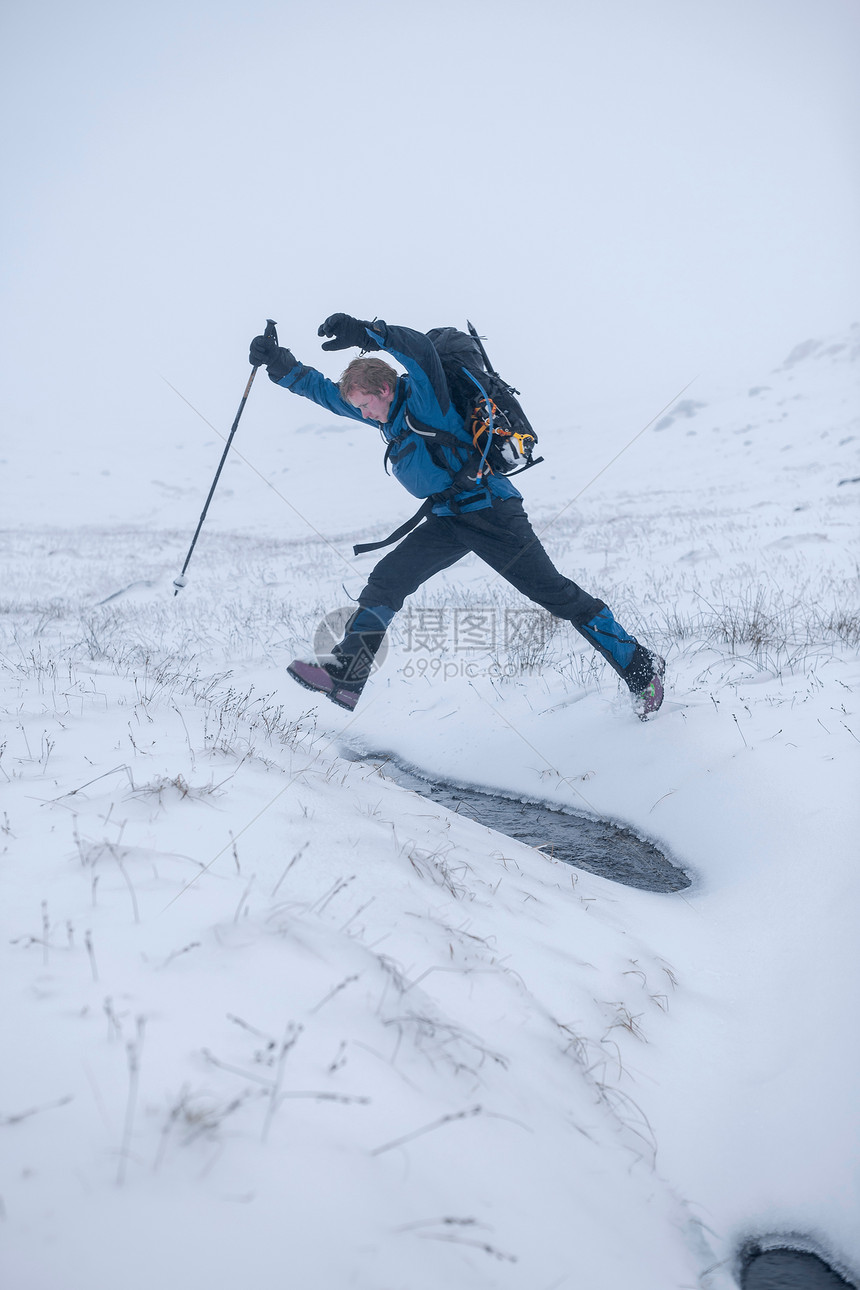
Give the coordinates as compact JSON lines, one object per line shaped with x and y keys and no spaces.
{"x":271,"y":334}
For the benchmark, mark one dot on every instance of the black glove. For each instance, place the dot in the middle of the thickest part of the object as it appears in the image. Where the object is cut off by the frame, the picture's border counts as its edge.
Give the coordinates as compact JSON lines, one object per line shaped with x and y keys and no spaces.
{"x":265,"y":352}
{"x":347,"y":332}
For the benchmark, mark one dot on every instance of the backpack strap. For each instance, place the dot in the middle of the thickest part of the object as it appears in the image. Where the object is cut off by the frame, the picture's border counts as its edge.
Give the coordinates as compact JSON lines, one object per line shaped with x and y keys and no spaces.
{"x":468,"y":476}
{"x":389,"y":448}
{"x":422,"y":513}
{"x":465,"y":479}
{"x":433,"y":435}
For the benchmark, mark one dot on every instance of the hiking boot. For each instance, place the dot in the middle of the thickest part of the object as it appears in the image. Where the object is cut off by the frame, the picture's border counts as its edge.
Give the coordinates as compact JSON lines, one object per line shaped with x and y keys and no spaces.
{"x":314,"y":677}
{"x":647,"y":700}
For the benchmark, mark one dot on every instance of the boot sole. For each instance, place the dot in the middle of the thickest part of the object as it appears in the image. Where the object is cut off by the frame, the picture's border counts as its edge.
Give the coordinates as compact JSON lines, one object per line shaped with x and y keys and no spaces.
{"x":658,"y":677}
{"x":318,"y":689}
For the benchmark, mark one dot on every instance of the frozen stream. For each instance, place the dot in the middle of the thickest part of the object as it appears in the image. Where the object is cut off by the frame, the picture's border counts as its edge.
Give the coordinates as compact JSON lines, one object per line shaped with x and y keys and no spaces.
{"x":787,"y":1269}
{"x":595,"y":845}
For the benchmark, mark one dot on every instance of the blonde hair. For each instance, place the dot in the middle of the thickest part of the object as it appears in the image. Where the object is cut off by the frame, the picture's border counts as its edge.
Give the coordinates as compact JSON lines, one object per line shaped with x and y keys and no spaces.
{"x":370,"y":375}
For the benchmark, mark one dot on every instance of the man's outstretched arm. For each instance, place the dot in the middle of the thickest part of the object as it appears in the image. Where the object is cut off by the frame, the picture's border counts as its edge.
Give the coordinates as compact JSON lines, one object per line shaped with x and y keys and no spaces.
{"x":428,"y":398}
{"x":286,"y":370}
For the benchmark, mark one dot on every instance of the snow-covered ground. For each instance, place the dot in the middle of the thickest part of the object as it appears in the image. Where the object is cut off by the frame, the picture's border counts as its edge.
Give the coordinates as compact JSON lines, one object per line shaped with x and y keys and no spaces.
{"x":267,"y":1016}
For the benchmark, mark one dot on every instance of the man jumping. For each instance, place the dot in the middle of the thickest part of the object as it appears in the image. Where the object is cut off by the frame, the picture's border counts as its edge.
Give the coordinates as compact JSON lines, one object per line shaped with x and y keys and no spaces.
{"x":430,"y":450}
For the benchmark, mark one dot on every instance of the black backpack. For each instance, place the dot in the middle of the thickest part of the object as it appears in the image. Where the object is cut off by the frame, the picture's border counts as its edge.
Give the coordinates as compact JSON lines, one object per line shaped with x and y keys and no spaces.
{"x":487,"y":404}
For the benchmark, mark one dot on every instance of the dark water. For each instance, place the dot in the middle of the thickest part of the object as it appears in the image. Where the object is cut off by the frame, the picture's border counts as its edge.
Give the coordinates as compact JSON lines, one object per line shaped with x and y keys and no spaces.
{"x":594,"y":845}
{"x":790,"y":1270}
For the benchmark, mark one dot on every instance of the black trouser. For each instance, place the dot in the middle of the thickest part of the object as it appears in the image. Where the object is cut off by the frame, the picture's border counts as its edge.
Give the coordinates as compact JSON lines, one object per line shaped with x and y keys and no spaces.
{"x":503,"y":537}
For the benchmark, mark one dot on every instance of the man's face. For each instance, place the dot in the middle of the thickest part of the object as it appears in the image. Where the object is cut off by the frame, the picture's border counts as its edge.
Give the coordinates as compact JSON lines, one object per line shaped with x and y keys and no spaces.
{"x":373,"y":407}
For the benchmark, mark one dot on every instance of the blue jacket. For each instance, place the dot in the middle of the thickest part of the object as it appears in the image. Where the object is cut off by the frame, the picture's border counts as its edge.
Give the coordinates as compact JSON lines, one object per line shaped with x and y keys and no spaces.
{"x":423,"y":396}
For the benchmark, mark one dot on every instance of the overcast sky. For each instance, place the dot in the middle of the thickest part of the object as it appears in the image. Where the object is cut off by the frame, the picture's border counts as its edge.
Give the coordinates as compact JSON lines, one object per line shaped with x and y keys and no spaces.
{"x":622,"y":194}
